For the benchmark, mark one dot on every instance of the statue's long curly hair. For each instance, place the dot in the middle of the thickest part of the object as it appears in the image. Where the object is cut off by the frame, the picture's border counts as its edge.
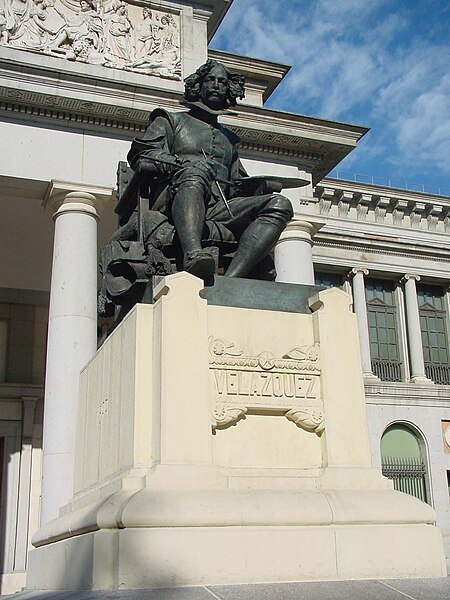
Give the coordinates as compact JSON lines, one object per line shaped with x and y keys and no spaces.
{"x":193,"y":83}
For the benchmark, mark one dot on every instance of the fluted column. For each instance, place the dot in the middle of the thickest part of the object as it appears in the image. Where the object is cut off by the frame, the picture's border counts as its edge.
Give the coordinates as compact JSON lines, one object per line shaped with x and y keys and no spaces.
{"x":293,"y":252}
{"x":417,"y":366}
{"x":72,"y":332}
{"x":360,"y":307}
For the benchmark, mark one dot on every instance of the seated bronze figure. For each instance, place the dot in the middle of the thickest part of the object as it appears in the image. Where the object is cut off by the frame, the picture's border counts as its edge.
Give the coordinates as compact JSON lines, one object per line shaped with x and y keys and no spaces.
{"x":187,"y":203}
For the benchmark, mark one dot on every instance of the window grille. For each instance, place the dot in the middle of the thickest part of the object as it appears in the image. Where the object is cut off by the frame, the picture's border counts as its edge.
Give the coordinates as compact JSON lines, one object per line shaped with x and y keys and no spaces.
{"x":407,"y":474}
{"x":328,"y":280}
{"x":382,"y":321}
{"x":387,"y":370}
{"x":434,"y":333}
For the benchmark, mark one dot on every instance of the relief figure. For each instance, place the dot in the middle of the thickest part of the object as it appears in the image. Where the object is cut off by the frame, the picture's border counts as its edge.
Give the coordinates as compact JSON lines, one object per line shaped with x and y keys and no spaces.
{"x":107,"y":32}
{"x":147,"y":35}
{"x":15,"y":14}
{"x":118,"y":44}
{"x":87,"y":24}
{"x":34,"y":31}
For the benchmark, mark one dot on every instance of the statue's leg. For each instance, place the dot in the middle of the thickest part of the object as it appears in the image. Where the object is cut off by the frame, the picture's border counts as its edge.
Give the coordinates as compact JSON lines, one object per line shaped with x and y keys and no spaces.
{"x":255,"y":243}
{"x":188,"y":215}
{"x":258,"y":238}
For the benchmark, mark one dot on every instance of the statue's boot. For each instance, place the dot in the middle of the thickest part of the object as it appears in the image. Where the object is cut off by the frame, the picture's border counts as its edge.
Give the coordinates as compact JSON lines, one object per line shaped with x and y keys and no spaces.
{"x":255,"y":243}
{"x":199,"y":263}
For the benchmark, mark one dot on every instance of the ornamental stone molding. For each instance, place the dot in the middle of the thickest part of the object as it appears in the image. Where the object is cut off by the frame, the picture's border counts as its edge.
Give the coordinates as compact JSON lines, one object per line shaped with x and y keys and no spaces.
{"x":400,"y":208}
{"x":110,"y":33}
{"x":242,"y":384}
{"x":409,"y":276}
{"x":356,"y":270}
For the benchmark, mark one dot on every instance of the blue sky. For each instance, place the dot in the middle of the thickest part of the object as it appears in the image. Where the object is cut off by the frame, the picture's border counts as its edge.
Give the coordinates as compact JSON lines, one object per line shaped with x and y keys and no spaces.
{"x":384,"y":64}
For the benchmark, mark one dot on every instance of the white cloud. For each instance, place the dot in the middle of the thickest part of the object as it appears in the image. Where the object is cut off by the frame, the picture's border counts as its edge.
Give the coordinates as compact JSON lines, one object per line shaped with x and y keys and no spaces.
{"x":363,"y":61}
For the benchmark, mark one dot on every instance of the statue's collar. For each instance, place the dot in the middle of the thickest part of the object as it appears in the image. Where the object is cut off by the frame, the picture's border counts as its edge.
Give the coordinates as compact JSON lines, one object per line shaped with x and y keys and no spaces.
{"x":206,"y":112}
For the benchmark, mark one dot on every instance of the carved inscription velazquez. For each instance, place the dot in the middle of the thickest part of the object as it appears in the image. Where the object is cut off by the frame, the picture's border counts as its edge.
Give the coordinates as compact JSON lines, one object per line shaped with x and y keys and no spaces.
{"x":289,"y":385}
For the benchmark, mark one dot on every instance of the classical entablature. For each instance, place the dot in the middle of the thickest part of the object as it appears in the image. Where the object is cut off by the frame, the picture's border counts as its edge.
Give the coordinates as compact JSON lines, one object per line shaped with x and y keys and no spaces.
{"x":386,"y":230}
{"x":51,"y":90}
{"x":386,"y":206}
{"x":106,"y":67}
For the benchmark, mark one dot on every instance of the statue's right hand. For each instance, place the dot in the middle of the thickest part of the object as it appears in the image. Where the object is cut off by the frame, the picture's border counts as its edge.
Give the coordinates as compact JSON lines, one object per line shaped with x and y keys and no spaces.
{"x":146,"y":165}
{"x":166,"y":163}
{"x":201,"y":170}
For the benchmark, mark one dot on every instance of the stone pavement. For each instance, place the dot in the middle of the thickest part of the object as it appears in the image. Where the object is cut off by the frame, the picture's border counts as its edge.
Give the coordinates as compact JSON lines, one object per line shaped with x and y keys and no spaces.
{"x":392,"y":589}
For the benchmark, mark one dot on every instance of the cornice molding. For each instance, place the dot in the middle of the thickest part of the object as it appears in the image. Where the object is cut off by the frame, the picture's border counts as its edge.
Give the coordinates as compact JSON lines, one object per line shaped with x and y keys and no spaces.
{"x":394,"y":194}
{"x":358,"y":247}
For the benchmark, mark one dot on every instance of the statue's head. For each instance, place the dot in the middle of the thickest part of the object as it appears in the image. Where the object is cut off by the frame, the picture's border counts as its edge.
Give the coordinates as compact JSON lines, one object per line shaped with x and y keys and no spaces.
{"x":215,"y":86}
{"x":119,"y":7}
{"x":86,"y":5}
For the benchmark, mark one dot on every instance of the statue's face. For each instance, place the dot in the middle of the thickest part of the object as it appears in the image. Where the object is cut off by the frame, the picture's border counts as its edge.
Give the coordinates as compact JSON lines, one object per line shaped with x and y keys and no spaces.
{"x":214,"y":88}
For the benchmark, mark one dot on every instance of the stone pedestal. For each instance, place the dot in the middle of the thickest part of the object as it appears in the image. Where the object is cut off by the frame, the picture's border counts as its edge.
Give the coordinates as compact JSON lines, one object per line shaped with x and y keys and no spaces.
{"x":218,"y":444}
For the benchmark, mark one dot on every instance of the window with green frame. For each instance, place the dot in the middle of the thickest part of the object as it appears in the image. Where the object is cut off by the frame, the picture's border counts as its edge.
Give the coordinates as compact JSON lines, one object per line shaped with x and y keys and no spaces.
{"x":383,"y":335}
{"x":433,"y":325}
{"x":329,"y":279}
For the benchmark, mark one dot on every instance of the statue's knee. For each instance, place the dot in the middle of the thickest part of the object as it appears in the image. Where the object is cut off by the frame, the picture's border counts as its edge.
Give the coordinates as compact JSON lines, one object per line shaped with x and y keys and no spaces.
{"x":282,"y":206}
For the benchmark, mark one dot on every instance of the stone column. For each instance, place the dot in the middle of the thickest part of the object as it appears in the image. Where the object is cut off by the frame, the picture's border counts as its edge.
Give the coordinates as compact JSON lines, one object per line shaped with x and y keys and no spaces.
{"x":293,"y":252}
{"x":417,"y":365}
{"x":72,"y":331}
{"x":360,"y":308}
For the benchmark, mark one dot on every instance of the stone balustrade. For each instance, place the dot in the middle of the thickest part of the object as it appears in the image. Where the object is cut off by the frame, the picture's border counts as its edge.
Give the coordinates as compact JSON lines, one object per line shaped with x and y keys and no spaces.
{"x":400,"y":208}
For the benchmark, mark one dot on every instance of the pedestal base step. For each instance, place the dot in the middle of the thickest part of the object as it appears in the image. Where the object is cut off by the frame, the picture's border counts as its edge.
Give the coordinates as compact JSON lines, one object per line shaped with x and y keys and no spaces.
{"x":142,"y":558}
{"x":392,"y":589}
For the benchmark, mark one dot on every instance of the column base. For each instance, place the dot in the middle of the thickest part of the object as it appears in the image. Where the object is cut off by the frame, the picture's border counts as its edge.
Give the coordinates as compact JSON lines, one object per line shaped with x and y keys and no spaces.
{"x":369,"y":376}
{"x":421,"y":380}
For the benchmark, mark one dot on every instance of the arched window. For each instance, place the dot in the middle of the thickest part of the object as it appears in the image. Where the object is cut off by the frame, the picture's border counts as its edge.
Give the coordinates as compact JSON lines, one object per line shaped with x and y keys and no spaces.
{"x":403,"y":460}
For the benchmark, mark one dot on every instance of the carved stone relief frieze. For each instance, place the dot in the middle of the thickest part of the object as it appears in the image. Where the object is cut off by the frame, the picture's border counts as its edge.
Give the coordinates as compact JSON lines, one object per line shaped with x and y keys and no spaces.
{"x":265,"y":384}
{"x":111,"y":33}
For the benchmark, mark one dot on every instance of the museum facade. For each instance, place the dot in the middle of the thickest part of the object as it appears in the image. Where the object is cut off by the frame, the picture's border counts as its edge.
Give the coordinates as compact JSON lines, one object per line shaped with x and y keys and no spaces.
{"x":77,"y":84}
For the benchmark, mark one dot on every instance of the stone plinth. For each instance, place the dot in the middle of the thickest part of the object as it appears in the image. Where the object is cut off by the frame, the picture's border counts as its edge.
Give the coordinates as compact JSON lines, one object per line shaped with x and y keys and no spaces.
{"x":221,"y":444}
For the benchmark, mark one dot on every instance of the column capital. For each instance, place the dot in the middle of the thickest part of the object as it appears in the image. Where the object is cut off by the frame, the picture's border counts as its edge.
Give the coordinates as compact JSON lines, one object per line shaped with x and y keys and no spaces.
{"x":63,"y":196}
{"x":356,"y":270}
{"x":293,"y":251}
{"x":410,"y":276}
{"x":301,"y":228}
